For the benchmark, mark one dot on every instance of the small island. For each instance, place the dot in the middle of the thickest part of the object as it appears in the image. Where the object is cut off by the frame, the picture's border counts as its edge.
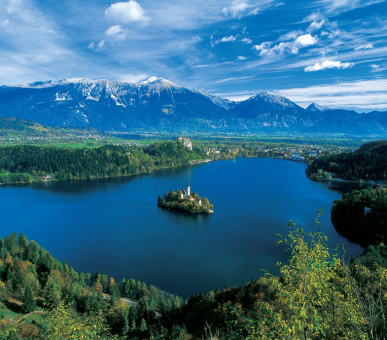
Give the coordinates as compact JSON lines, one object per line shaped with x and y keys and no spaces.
{"x":183,"y":200}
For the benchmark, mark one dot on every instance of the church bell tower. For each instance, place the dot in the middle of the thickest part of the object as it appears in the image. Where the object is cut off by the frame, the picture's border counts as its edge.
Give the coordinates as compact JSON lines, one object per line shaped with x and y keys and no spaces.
{"x":188,"y":189}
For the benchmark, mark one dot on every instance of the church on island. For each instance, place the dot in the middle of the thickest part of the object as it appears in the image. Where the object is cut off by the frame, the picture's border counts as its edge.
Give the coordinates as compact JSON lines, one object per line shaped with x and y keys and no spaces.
{"x":186,"y":194}
{"x":184,"y":200}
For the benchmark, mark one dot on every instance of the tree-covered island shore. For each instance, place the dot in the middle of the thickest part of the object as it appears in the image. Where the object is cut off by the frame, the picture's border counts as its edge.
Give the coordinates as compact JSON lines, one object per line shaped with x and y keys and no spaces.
{"x":183,"y":200}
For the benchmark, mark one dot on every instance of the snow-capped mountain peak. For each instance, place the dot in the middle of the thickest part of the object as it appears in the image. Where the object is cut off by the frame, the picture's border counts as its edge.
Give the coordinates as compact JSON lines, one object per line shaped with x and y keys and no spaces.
{"x":316,"y":107}
{"x":159,"y":105}
{"x":273,"y":98}
{"x":156,"y":81}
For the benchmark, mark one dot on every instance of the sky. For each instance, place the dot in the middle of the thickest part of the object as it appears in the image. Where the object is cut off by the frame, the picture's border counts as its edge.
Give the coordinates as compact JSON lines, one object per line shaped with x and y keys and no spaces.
{"x":331,"y":52}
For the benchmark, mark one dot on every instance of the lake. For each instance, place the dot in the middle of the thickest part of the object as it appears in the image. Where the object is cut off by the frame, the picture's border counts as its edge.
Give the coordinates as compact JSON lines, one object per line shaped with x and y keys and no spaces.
{"x":114,"y":225}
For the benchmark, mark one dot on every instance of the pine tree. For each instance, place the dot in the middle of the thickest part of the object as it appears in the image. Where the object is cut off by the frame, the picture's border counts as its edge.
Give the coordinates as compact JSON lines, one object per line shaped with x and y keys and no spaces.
{"x":3,"y":252}
{"x":29,"y":304}
{"x":125,"y":329}
{"x":133,"y":326}
{"x":22,"y":241}
{"x":143,"y":327}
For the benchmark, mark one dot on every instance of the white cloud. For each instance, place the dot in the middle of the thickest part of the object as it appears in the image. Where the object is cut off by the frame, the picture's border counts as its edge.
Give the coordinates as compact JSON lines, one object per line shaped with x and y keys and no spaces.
{"x":230,"y":38}
{"x":241,"y":58}
{"x":306,"y":40}
{"x":113,"y":30}
{"x":316,"y":25}
{"x":196,"y":39}
{"x":328,"y":64}
{"x":126,"y":12}
{"x":101,"y":44}
{"x":293,"y":47}
{"x":234,"y":79}
{"x":363,"y":94}
{"x":236,"y":8}
{"x":378,"y":68}
{"x":263,"y":48}
{"x":315,"y":16}
{"x":292,"y":35}
{"x":364,"y":47}
{"x":242,"y":8}
{"x":282,"y":47}
{"x":116,"y":32}
{"x":247,"y":40}
{"x":133,"y":78}
{"x":185,"y":14}
{"x":338,"y":6}
{"x":96,"y":47}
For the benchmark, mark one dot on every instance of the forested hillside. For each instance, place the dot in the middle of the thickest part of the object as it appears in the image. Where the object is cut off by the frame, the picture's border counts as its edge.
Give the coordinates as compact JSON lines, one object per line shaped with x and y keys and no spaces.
{"x":26,"y":163}
{"x":59,"y":301}
{"x":361,"y":216}
{"x":317,"y":296}
{"x":11,"y":127}
{"x":368,"y":162}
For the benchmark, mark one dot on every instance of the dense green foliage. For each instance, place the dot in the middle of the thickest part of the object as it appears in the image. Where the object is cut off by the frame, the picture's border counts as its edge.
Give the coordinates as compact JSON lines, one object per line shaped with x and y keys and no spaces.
{"x":194,"y":204}
{"x":361,"y":216}
{"x":317,"y":296}
{"x":29,"y":274}
{"x":373,"y":256}
{"x":321,"y":175}
{"x":9,"y":178}
{"x":22,"y":163}
{"x":368,"y":162}
{"x":28,"y":301}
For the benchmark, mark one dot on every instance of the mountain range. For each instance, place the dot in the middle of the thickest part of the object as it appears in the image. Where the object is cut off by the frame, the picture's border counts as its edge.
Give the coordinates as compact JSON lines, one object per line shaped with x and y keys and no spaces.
{"x":160,"y":106}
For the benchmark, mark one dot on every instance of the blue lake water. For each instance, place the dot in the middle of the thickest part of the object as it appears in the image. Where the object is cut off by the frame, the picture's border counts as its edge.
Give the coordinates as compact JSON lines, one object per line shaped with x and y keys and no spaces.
{"x":115,"y":225}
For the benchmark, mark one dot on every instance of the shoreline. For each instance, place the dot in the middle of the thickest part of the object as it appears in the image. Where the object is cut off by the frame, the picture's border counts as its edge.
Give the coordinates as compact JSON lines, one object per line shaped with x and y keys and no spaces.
{"x":196,"y":162}
{"x":210,"y":211}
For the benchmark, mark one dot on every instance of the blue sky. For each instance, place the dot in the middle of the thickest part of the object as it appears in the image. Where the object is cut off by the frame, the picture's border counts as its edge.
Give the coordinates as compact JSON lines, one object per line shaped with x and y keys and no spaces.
{"x":325,"y":51}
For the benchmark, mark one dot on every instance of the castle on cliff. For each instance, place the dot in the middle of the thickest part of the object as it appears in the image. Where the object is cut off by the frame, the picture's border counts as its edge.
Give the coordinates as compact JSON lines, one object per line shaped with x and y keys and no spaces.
{"x":186,"y":142}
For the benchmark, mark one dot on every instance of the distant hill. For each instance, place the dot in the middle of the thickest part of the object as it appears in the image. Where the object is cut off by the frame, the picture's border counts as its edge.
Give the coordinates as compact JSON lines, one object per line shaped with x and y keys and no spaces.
{"x":160,"y":106}
{"x":18,"y":127}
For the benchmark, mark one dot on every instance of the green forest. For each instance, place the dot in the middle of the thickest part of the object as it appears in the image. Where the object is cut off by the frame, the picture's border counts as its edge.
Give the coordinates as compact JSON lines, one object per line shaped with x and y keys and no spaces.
{"x":26,"y":163}
{"x":361,"y":216}
{"x":52,"y":301}
{"x":369,"y":162}
{"x":317,"y":296}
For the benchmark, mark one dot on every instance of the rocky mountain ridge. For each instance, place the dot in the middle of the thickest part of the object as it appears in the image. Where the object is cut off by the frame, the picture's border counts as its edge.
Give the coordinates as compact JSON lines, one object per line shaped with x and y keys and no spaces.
{"x":158,"y":105}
